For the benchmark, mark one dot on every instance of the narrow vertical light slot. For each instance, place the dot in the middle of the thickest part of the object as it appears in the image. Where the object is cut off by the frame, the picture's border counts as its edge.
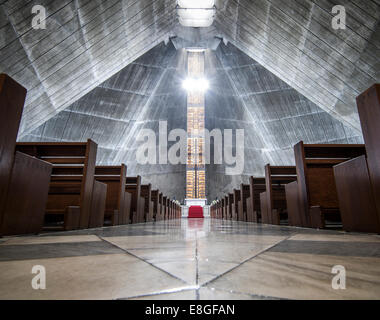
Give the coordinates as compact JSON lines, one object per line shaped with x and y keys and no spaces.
{"x":195,"y":85}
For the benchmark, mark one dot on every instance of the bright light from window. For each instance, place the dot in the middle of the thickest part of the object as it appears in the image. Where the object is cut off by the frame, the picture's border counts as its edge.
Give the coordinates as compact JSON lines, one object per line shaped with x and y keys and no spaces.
{"x":195,"y":85}
{"x":196,"y":13}
{"x":196,"y":3}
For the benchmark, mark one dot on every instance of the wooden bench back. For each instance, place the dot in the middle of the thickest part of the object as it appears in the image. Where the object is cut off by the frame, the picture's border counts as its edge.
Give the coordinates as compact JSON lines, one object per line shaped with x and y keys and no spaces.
{"x":245,"y":193}
{"x":276,"y":178}
{"x":146,"y":194}
{"x":226,"y":208}
{"x":69,"y":159}
{"x":315,"y":176}
{"x":155,"y":200}
{"x":115,"y":178}
{"x":369,"y":112}
{"x":235,"y":206}
{"x":230,"y":205}
{"x":12,"y":98}
{"x":133,"y":186}
{"x":164,"y":207}
{"x":256,"y":186}
{"x":160,"y":207}
{"x":167,"y":205}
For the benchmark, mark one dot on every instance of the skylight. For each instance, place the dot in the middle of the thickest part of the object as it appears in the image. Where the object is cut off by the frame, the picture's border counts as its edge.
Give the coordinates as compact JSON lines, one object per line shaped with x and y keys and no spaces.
{"x":196,"y":13}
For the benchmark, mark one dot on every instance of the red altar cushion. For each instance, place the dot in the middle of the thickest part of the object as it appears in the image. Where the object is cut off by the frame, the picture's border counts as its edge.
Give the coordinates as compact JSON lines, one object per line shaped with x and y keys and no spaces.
{"x":195,"y":212}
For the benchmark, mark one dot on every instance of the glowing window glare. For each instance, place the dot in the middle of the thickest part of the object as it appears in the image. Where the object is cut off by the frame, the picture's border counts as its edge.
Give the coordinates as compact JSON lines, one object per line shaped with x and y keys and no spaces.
{"x":196,"y":13}
{"x":193,"y":85}
{"x":196,"y":3}
{"x":196,"y":23}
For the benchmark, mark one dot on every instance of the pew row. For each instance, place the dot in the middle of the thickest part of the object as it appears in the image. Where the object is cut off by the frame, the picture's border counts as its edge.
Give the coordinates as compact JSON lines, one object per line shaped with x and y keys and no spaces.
{"x":256,"y":187}
{"x":75,"y":199}
{"x":316,"y":201}
{"x":148,"y":204}
{"x":273,"y":200}
{"x":118,"y":200}
{"x":133,"y":186}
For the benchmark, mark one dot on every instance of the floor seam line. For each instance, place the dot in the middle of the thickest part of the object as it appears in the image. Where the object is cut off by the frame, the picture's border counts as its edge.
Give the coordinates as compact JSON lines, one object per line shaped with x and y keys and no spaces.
{"x":247,"y":294}
{"x":158,"y":293}
{"x":248,"y":259}
{"x":151,"y":264}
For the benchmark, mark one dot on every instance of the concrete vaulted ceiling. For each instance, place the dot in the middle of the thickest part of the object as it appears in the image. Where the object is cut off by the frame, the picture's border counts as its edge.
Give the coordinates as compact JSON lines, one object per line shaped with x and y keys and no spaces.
{"x":85,"y":42}
{"x":105,"y":69}
{"x":294,"y":40}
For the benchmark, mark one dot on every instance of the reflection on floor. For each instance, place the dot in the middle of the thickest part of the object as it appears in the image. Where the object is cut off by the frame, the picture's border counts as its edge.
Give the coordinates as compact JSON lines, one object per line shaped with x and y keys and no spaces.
{"x":191,"y":259}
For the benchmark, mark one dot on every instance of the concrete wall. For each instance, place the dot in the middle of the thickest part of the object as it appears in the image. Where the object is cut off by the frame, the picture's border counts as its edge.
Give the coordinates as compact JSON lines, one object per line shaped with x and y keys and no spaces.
{"x":274,"y":116}
{"x":112,"y":114}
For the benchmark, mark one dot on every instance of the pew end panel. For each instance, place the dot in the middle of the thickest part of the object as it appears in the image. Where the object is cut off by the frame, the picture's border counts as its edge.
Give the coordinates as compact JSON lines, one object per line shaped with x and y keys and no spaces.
{"x":265,"y":216}
{"x":317,"y":192}
{"x":126,"y":217}
{"x":115,"y":178}
{"x":27,"y":196}
{"x":12,"y":99}
{"x":98,"y":205}
{"x":368,"y":104}
{"x":294,"y":214}
{"x":71,"y":218}
{"x":356,"y":200}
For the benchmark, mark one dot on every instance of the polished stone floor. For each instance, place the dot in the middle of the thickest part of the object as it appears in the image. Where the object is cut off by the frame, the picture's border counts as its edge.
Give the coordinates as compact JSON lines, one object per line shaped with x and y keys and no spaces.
{"x":191,"y":259}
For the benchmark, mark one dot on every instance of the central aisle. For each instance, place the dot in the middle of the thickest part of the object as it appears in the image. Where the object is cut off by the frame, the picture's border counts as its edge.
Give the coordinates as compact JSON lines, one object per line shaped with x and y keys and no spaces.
{"x":191,"y":259}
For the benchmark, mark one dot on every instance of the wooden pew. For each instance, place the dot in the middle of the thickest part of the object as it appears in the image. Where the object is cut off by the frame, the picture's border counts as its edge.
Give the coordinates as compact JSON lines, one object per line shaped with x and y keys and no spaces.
{"x":369,"y":113}
{"x":164,"y":207}
{"x":178,"y":211}
{"x":172,"y":209}
{"x":316,"y":188}
{"x":256,"y":187}
{"x":118,"y":201}
{"x":133,"y":186}
{"x":273,"y":200}
{"x":230,"y":202}
{"x":294,"y":215}
{"x":235,"y":205}
{"x":225,"y":212}
{"x":356,"y":199}
{"x":221,"y":209}
{"x":170,"y":215}
{"x":167,"y":208}
{"x":148,"y":204}
{"x":242,"y":204}
{"x":224,"y":208}
{"x":156,"y":204}
{"x":160,"y":207}
{"x":75,"y":199}
{"x":358,"y":180}
{"x":24,"y":180}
